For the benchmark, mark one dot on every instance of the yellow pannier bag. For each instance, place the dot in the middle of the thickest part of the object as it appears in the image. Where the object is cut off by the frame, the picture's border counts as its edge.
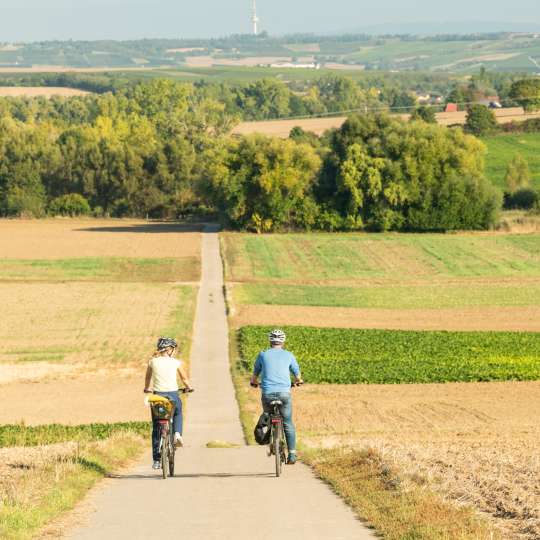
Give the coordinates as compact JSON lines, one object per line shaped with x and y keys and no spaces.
{"x":162,"y":408}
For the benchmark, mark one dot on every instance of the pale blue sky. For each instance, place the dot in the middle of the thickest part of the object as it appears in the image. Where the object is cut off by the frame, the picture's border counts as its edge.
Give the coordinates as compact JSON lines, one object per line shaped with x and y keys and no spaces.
{"x":32,"y":20}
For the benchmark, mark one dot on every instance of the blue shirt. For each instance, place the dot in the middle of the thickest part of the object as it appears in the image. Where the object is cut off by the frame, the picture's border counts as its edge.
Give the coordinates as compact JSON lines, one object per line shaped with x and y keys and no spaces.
{"x":275,"y":367}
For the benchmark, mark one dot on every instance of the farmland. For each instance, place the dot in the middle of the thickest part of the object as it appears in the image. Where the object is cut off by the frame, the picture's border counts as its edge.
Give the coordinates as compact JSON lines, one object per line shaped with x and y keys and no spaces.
{"x":346,"y":356}
{"x":503,"y":148}
{"x":451,"y":309}
{"x":88,"y":298}
{"x":431,"y":281}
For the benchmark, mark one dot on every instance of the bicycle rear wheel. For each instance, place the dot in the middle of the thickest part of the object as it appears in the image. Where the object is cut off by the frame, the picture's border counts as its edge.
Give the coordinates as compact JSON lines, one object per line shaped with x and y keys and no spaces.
{"x":164,"y":456}
{"x":277,"y":450}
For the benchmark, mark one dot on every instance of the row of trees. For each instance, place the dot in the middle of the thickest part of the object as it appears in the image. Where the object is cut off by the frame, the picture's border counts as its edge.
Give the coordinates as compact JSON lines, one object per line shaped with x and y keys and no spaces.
{"x":163,"y":149}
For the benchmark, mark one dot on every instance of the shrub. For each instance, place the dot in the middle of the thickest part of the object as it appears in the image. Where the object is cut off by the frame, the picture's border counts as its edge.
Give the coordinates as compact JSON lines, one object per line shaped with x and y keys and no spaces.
{"x":522,"y":199}
{"x":72,"y":204}
{"x":481,"y":121}
{"x":425,"y":114}
{"x":517,"y":174}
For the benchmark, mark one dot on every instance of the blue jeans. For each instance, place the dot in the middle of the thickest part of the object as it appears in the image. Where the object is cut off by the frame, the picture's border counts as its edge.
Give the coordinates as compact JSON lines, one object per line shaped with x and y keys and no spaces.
{"x":286,"y":411}
{"x":177,"y":422}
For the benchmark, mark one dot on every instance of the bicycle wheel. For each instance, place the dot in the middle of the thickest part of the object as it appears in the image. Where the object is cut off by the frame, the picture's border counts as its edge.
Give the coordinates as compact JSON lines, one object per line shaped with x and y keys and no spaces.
{"x":276,"y":448}
{"x":164,"y":456}
{"x":172,"y":453}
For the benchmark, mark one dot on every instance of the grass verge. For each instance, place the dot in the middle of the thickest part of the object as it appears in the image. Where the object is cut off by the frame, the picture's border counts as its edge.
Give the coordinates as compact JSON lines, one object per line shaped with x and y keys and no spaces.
{"x":44,"y":491}
{"x":398,"y":508}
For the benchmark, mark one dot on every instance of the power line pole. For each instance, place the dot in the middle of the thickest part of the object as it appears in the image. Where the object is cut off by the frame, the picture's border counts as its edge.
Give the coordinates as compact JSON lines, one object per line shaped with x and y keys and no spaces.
{"x":254,"y":18}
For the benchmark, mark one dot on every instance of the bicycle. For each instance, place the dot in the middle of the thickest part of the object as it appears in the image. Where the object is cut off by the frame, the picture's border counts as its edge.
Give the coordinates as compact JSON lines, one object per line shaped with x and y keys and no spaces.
{"x":163,"y":411}
{"x":277,"y":445}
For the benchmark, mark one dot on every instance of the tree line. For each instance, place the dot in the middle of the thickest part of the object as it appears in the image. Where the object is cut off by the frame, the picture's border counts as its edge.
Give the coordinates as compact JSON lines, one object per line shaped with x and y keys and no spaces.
{"x":163,"y":149}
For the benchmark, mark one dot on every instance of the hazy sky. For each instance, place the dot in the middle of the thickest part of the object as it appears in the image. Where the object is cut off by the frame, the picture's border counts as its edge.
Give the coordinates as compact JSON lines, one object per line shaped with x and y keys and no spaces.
{"x":31,"y":20}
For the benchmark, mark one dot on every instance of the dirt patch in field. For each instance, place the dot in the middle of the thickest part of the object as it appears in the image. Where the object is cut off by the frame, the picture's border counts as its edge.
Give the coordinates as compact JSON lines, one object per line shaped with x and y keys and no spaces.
{"x":40,"y":91}
{"x":63,"y":238}
{"x":474,"y":443}
{"x":107,"y":396}
{"x":481,"y":319}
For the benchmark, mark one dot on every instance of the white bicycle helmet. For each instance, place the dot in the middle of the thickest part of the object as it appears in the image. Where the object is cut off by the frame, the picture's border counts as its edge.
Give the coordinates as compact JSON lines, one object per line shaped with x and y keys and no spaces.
{"x":277,"y":336}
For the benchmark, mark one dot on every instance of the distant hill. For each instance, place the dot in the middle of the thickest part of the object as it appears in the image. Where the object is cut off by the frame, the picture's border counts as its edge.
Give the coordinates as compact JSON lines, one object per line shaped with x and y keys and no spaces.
{"x":445,"y":27}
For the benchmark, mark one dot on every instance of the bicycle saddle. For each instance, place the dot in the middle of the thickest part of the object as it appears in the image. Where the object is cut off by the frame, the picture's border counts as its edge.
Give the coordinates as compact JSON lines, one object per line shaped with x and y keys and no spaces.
{"x":277,"y":402}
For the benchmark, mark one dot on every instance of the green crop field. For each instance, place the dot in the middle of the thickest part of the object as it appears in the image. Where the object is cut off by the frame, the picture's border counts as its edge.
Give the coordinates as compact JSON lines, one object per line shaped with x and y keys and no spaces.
{"x":100,"y":269}
{"x":426,"y":296}
{"x":329,"y":355}
{"x":501,"y":150}
{"x":407,"y":257}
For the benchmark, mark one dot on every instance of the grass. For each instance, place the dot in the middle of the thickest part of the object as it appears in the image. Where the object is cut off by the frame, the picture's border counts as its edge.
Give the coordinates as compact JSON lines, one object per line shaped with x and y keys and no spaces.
{"x":341,"y":257}
{"x":503,"y":148}
{"x":344,"y":356}
{"x":397,"y":510}
{"x":21,"y":435}
{"x":45,"y":490}
{"x":101,"y":269}
{"x":432,"y":296}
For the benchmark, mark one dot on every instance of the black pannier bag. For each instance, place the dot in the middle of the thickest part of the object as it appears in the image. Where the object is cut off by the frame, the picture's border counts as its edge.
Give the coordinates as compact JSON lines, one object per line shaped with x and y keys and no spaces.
{"x":262,"y":429}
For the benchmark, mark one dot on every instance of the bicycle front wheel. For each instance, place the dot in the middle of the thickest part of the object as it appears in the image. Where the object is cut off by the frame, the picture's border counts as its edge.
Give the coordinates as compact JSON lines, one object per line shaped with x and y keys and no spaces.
{"x":172,"y":453}
{"x":164,"y":457}
{"x":277,"y":449}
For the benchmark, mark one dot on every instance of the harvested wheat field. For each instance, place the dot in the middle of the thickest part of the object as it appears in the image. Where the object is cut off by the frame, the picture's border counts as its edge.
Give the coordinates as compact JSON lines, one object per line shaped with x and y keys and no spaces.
{"x":64,"y":238}
{"x":525,"y":318}
{"x":473,"y":443}
{"x":40,"y":91}
{"x":103,"y":396}
{"x":89,"y":325}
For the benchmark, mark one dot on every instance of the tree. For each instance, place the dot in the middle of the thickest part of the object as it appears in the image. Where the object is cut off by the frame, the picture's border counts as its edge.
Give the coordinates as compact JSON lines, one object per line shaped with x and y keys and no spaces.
{"x":262,"y":183}
{"x":424,"y":114}
{"x":382,"y":173}
{"x":527,"y":93}
{"x":518,"y":175}
{"x":481,"y":121}
{"x":72,"y":205}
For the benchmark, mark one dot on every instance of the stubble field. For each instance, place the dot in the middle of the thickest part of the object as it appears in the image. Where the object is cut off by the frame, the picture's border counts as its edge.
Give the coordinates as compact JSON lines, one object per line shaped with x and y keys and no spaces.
{"x":83,"y":302}
{"x":471,"y":443}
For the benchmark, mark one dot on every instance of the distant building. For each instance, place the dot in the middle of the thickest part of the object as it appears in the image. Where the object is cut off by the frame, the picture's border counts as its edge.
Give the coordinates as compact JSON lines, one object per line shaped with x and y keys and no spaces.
{"x":451,"y":108}
{"x":423,"y":98}
{"x":311,"y":65}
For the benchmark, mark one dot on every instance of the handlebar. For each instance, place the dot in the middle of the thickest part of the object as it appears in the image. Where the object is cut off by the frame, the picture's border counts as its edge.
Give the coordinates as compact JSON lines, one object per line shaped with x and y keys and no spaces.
{"x":293,"y":385}
{"x":181,"y":391}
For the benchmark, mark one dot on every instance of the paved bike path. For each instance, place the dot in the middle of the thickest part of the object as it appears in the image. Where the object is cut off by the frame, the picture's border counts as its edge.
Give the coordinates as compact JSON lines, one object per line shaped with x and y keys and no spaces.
{"x":217,"y":493}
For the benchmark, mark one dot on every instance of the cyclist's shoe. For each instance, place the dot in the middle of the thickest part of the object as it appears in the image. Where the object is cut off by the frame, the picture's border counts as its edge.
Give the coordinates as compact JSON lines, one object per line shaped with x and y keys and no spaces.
{"x":291,"y":460}
{"x":156,"y":465}
{"x":178,"y":441}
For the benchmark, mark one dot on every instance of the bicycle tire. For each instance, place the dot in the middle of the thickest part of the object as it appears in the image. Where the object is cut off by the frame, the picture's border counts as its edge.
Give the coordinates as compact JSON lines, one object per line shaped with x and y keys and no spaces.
{"x":172,"y":454}
{"x":277,"y":449}
{"x":164,"y":457}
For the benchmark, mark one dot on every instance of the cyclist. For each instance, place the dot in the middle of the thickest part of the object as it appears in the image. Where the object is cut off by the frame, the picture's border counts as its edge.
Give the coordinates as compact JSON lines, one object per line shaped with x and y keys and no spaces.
{"x":162,"y":371}
{"x":275,"y":366}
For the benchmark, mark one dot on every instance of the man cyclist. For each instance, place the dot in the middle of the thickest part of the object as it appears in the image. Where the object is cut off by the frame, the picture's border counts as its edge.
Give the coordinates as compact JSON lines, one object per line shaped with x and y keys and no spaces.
{"x":162,"y":372}
{"x":275,"y":366}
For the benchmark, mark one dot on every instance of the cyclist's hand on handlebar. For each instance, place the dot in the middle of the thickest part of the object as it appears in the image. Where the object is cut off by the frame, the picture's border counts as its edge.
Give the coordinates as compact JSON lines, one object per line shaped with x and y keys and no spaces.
{"x":146,"y":391}
{"x":254,"y":384}
{"x":187,"y":390}
{"x":300,"y":382}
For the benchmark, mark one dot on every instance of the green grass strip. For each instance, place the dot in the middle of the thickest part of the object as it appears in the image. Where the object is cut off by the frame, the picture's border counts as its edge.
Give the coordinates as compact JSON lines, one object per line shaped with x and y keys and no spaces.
{"x":20,"y":435}
{"x":342,"y":356}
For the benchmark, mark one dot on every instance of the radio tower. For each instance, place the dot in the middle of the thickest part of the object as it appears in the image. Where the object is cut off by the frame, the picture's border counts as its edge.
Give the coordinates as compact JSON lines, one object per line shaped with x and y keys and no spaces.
{"x":254,"y":18}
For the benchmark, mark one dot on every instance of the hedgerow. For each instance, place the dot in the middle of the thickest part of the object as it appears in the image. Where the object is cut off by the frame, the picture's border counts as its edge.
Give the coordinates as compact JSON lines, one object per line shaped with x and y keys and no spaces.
{"x":330,"y":355}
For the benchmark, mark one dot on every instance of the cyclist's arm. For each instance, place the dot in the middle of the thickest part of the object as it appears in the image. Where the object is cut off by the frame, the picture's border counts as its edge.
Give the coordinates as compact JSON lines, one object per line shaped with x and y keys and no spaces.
{"x":256,"y":370}
{"x":184,"y":377}
{"x":295,"y":370}
{"x":148,"y":378}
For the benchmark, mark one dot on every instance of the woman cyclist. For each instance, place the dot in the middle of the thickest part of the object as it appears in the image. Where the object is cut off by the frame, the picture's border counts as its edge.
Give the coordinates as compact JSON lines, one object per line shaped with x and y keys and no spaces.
{"x":161,"y":374}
